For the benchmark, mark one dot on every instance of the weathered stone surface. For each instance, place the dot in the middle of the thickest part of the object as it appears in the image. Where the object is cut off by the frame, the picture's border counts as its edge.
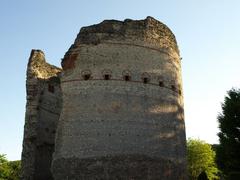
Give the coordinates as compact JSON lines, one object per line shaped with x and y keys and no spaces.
{"x":148,"y":33}
{"x":121,"y":167}
{"x":117,"y":112}
{"x":39,"y":68}
{"x":42,"y":114}
{"x":105,"y":115}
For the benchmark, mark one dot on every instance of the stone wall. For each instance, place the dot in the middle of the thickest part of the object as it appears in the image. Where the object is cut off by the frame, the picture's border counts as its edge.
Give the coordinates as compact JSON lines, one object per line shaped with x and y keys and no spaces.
{"x":42,"y":115}
{"x":122,"y":111}
{"x":114,"y":112}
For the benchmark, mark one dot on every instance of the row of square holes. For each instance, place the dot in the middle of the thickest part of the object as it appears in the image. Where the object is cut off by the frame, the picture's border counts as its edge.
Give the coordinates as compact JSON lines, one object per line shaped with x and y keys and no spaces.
{"x":128,"y":78}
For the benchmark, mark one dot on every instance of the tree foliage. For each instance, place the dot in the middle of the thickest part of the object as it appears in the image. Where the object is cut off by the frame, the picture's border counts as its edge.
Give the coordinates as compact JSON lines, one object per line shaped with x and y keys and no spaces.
{"x":3,"y":167}
{"x":228,"y":152}
{"x":201,"y":158}
{"x":9,"y":170}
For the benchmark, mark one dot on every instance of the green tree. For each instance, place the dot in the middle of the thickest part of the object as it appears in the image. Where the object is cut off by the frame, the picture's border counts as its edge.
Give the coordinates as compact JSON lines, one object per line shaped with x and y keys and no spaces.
{"x":9,"y":170}
{"x":228,"y":151}
{"x":4,"y":170}
{"x":14,"y":170}
{"x":201,"y":158}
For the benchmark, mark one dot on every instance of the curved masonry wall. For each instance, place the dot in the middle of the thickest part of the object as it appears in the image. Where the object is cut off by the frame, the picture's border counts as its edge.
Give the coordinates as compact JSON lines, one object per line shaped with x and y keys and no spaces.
{"x":122,"y":111}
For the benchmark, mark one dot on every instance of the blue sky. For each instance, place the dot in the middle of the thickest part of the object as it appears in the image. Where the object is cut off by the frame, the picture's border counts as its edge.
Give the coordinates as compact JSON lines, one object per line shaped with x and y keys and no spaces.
{"x":207,"y":32}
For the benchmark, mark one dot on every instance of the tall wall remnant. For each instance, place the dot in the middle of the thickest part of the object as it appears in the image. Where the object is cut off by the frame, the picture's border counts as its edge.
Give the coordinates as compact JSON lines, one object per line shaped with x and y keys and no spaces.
{"x":42,"y":114}
{"x":119,"y":111}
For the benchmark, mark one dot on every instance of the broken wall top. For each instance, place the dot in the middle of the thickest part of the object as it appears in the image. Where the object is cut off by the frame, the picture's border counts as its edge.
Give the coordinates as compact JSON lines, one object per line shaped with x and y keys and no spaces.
{"x":39,"y":68}
{"x":148,"y":33}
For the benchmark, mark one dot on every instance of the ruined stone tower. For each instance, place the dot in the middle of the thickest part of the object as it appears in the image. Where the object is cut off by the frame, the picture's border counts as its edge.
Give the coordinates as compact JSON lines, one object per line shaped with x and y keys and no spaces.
{"x":119,"y":111}
{"x":42,"y":114}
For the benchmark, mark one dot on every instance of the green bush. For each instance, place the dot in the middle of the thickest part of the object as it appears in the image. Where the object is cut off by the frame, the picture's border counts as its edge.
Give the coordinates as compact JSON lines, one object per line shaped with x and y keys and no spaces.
{"x":9,"y":170}
{"x":201,"y":158}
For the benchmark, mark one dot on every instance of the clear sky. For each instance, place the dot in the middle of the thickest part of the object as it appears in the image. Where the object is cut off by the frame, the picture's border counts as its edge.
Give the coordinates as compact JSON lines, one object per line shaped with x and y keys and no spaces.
{"x":207,"y":31}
